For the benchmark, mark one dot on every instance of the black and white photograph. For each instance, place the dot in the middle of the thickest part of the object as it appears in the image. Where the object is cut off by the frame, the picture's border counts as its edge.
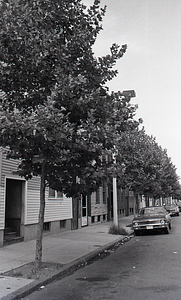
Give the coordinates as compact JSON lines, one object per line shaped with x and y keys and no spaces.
{"x":90,"y":166}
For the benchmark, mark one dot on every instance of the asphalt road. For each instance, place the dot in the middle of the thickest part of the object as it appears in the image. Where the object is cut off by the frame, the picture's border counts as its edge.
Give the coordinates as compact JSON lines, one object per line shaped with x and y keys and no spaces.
{"x":146,"y":267}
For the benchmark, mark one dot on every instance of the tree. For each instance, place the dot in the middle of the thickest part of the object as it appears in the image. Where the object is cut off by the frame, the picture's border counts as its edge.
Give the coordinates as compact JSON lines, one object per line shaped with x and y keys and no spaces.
{"x":144,"y":166}
{"x":55,"y":109}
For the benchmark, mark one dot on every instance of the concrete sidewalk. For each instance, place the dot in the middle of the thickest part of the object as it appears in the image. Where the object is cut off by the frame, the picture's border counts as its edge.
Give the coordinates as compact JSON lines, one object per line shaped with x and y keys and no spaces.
{"x":70,"y":248}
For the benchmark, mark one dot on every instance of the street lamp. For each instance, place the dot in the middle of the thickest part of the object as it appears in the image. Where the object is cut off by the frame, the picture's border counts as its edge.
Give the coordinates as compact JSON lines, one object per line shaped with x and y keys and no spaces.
{"x":128,"y":94}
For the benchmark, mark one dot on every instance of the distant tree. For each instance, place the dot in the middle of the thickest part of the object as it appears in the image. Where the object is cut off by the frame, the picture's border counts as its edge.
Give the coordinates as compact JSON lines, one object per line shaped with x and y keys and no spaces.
{"x":57,"y":116}
{"x":144,"y":166}
{"x":169,"y":178}
{"x":177,"y":191}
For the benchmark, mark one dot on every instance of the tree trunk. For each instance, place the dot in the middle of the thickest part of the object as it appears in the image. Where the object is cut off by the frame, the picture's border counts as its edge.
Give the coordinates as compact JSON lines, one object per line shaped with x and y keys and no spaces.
{"x":147,"y":200}
{"x":39,"y":235}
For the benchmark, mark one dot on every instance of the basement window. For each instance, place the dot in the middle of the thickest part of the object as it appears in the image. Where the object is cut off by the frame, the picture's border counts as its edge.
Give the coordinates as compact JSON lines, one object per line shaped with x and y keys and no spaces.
{"x":46,"y":226}
{"x":62,"y":223}
{"x":92,"y":219}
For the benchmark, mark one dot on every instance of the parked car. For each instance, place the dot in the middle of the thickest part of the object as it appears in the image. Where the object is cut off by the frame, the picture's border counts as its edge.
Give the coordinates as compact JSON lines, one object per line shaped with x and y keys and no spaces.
{"x":152,"y":218}
{"x":173,"y":209}
{"x":179,"y":205}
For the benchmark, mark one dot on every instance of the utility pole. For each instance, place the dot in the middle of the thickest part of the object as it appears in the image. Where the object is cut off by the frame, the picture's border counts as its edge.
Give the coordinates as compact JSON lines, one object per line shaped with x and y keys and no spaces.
{"x":115,"y":198}
{"x":115,"y":202}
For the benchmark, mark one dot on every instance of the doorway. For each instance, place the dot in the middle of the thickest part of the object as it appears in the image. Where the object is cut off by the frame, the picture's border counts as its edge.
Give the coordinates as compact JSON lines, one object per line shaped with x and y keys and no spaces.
{"x":75,"y":213}
{"x":13,"y":208}
{"x":84,"y":211}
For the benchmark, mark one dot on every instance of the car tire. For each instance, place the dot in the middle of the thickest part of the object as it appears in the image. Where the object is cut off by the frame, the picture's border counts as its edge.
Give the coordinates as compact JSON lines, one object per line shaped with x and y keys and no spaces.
{"x":137,"y":232}
{"x":177,"y":214}
{"x":170,"y":226}
{"x":167,"y":231}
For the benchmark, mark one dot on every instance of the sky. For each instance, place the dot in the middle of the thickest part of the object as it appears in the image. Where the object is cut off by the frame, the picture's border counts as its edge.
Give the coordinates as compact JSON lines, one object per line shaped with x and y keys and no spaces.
{"x":151,"y":65}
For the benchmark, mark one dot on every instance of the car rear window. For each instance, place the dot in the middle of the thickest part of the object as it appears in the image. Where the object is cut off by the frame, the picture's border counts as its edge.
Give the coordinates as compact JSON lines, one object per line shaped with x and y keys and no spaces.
{"x":152,"y":210}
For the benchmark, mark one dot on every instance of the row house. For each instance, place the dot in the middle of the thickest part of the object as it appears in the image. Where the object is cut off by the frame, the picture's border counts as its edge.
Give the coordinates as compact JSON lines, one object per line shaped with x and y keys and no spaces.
{"x":20,"y":201}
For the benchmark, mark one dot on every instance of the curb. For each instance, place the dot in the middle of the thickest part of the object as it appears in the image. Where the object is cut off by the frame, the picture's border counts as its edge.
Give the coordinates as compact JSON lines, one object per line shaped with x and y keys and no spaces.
{"x":66,"y":270}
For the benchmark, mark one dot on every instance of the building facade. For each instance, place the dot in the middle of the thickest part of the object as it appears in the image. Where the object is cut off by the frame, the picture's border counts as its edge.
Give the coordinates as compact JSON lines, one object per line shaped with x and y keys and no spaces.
{"x":20,"y":202}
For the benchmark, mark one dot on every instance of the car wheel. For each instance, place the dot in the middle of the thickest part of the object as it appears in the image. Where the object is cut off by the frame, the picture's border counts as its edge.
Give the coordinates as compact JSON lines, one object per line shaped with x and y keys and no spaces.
{"x":137,"y":232}
{"x":167,"y":231}
{"x":170,"y":226}
{"x":177,"y":214}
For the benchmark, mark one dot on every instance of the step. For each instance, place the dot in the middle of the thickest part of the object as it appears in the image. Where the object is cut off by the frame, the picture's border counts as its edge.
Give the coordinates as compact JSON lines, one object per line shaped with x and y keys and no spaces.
{"x":10,"y":235}
{"x":14,"y":240}
{"x":7,"y":230}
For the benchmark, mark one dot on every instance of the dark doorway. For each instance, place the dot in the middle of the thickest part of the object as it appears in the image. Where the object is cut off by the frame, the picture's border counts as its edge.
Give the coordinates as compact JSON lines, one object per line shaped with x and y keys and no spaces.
{"x":75,"y":207}
{"x":13,"y":204}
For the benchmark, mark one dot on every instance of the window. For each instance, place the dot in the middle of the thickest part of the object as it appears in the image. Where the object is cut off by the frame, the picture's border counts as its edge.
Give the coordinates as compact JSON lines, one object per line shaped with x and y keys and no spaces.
{"x":51,"y":193}
{"x":97,"y":197}
{"x":104,"y":193}
{"x":59,"y":194}
{"x":55,"y":194}
{"x":46,"y":226}
{"x":131,"y":210}
{"x":62,"y":223}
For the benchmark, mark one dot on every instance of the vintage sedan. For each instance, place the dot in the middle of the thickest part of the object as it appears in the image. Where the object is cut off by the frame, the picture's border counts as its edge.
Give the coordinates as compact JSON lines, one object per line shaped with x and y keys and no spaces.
{"x":173,"y":209}
{"x":152,"y":218}
{"x":179,"y":205}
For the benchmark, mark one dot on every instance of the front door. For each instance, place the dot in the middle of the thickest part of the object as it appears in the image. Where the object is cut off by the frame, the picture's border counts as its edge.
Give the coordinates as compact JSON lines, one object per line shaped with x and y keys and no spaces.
{"x":13,"y":204}
{"x":75,"y":210}
{"x":84,"y":211}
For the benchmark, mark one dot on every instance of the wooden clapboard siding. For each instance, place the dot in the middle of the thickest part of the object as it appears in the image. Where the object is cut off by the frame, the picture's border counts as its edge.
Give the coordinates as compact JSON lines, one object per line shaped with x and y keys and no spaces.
{"x":0,"y":164}
{"x":7,"y":167}
{"x":58,"y":209}
{"x":33,"y":200}
{"x":2,"y":208}
{"x":55,"y":209}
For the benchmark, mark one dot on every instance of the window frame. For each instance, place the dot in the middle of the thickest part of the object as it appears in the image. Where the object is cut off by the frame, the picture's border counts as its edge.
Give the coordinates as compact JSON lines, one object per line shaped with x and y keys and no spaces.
{"x":56,"y":197}
{"x":98,"y":196}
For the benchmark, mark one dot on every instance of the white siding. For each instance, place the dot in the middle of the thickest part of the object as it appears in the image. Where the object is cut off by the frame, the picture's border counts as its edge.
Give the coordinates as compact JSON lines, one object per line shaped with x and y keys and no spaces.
{"x":55,"y":209}
{"x":33,"y":200}
{"x":6,"y":169}
{"x":2,"y":209}
{"x":58,"y":209}
{"x":1,"y":197}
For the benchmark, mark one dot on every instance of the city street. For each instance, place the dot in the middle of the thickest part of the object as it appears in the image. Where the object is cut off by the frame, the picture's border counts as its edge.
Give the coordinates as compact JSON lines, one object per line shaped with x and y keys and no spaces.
{"x":146,"y":267}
